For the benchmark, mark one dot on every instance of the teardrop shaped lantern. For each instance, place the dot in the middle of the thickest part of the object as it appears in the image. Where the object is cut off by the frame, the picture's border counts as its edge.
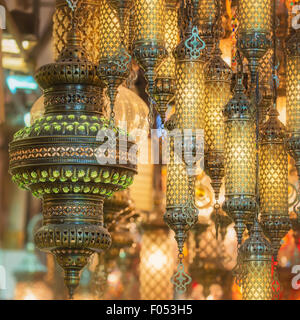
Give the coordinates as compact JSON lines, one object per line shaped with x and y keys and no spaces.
{"x":240,"y":160}
{"x":57,"y":159}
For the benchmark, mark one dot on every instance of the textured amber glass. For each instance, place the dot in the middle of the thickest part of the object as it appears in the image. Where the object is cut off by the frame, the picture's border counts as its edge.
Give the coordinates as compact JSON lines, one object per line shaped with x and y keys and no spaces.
{"x":293,"y":93}
{"x":217,"y":94}
{"x":149,"y":20}
{"x":89,"y":26}
{"x":207,"y":11}
{"x":156,"y":265}
{"x":177,"y":181}
{"x":240,"y":157}
{"x":257,"y":283}
{"x":273,"y":179}
{"x":167,"y":68}
{"x":110,"y":31}
{"x":255,"y":15}
{"x":190,"y":94}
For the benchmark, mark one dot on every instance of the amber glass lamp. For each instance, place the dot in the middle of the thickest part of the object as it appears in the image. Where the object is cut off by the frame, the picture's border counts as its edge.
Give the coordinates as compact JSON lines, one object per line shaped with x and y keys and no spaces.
{"x":257,"y":252}
{"x":156,"y":264}
{"x":240,"y":160}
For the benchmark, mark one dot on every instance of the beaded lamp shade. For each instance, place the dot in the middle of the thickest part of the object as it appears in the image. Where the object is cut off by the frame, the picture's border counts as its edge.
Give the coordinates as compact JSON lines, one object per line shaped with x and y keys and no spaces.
{"x":164,"y":87}
{"x":255,"y":30}
{"x":240,"y":160}
{"x":89,"y":20}
{"x":293,"y":99}
{"x":156,"y":266}
{"x":273,"y":180}
{"x":56,"y":158}
{"x":217,"y":94}
{"x":257,"y":266}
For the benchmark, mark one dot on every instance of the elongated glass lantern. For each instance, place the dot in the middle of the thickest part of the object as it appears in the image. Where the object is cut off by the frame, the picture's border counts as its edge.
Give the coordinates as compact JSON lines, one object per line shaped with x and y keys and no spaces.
{"x":255,"y":30}
{"x":164,"y":87}
{"x":293,"y":97}
{"x":273,"y":181}
{"x":217,"y":94}
{"x":148,"y":43}
{"x":240,"y":160}
{"x":257,"y":266}
{"x":157,"y":264}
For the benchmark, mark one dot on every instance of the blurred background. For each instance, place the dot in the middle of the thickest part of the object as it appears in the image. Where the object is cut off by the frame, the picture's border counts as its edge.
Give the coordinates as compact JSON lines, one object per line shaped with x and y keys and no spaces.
{"x":144,"y":260}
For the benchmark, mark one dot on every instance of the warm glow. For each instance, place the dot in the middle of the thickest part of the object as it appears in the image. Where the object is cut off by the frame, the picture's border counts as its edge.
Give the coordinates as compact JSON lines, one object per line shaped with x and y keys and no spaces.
{"x":157,"y":260}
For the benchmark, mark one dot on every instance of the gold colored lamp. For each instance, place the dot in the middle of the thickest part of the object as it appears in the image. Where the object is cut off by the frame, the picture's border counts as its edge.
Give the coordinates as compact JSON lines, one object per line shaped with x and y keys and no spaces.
{"x":56,"y":158}
{"x":114,"y":62}
{"x":266,"y":85}
{"x":257,"y":253}
{"x":217,"y":94}
{"x":293,"y":101}
{"x":273,"y":181}
{"x":207,"y":15}
{"x":240,"y":160}
{"x":89,"y":21}
{"x":148,"y":44}
{"x":254,"y":32}
{"x":156,"y":264}
{"x":164,"y":87}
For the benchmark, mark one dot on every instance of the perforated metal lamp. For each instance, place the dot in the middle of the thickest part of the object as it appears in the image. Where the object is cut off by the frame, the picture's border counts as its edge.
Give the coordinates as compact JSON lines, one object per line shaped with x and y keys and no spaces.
{"x":293,"y":102}
{"x":273,"y":180}
{"x":254,"y":32}
{"x":240,"y":160}
{"x":55,"y":158}
{"x":256,"y":253}
{"x":149,"y":40}
{"x":164,"y":87}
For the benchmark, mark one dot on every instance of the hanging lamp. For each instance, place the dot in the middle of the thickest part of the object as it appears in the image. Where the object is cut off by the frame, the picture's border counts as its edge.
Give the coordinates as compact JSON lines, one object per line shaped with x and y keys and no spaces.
{"x":217,"y":94}
{"x":148,"y":43}
{"x":57,"y":160}
{"x":164,"y":87}
{"x":257,"y":253}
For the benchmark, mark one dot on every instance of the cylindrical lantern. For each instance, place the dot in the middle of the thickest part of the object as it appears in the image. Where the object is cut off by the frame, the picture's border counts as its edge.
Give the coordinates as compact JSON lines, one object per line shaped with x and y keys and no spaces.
{"x":89,"y":20}
{"x":266,"y":85}
{"x":190,"y":85}
{"x":257,"y":266}
{"x":207,"y":15}
{"x":177,"y":196}
{"x":114,"y":59}
{"x":240,"y":160}
{"x":255,"y":30}
{"x":273,"y":180}
{"x":164,"y":87}
{"x":293,"y":99}
{"x":148,"y":43}
{"x":217,"y":94}
{"x":156,"y":264}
